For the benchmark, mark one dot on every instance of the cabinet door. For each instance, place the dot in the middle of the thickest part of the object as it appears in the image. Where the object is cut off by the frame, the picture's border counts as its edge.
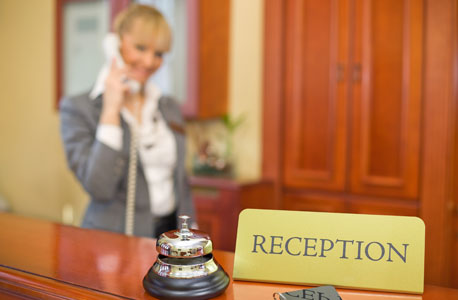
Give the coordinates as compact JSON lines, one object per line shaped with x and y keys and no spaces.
{"x":387,"y":72}
{"x":315,"y":94}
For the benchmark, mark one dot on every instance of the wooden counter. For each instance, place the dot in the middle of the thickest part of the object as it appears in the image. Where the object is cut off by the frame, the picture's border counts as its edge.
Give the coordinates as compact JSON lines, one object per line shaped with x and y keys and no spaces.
{"x":44,"y":260}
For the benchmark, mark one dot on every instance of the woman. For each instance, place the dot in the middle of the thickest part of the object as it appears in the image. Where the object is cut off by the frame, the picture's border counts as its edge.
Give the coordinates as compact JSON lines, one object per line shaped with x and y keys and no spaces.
{"x":125,"y":111}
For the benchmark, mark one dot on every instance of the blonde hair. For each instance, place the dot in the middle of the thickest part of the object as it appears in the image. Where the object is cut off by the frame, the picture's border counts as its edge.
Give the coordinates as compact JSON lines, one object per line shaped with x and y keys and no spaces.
{"x":150,"y":15}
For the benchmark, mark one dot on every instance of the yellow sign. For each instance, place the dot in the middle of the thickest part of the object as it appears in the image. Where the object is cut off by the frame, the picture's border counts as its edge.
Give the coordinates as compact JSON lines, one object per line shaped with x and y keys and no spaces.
{"x":359,"y":251}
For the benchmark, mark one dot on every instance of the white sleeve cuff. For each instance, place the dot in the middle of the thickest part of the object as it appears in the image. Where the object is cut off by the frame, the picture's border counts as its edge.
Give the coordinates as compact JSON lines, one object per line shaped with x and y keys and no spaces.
{"x":110,"y":135}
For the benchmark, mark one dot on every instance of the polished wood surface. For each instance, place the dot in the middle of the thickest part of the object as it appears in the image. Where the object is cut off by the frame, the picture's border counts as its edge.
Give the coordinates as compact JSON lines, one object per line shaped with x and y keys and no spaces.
{"x":382,"y":77}
{"x":453,"y":204}
{"x":272,"y":108}
{"x":439,"y":128}
{"x":348,"y":107}
{"x":43,"y":260}
{"x":386,"y":97}
{"x":315,"y":120}
{"x":392,"y":149}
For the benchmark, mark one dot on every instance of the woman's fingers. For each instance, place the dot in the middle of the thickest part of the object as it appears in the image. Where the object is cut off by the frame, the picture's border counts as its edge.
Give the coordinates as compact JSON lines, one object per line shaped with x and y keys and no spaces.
{"x":115,"y":68}
{"x":116,"y":87}
{"x":116,"y":76}
{"x":113,"y":65}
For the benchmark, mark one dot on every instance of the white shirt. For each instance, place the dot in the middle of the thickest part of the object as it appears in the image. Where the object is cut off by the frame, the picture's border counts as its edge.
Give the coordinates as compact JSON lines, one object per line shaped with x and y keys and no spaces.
{"x":156,"y":146}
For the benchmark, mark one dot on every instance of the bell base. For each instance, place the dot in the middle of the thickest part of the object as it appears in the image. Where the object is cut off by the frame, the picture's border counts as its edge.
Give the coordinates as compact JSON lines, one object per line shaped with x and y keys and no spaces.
{"x":199,"y":288}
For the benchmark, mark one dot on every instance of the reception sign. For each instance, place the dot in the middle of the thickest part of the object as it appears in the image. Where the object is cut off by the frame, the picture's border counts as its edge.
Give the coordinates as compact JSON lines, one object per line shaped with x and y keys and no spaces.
{"x":369,"y":252}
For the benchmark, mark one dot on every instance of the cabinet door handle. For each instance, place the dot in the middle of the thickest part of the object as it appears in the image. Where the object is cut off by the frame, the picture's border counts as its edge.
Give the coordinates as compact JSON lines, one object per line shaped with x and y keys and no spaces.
{"x":340,"y":72}
{"x":357,"y":72}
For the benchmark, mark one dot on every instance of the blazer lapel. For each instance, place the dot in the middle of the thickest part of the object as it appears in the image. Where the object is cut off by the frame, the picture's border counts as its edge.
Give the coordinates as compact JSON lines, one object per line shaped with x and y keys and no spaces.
{"x":172,"y":115}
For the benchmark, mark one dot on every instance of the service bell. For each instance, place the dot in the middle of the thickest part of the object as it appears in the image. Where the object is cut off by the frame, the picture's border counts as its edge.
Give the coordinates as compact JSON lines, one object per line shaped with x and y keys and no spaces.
{"x":185,"y":267}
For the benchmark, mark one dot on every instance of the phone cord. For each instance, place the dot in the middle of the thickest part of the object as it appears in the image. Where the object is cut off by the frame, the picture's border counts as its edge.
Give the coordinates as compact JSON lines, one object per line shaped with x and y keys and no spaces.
{"x":131,"y":182}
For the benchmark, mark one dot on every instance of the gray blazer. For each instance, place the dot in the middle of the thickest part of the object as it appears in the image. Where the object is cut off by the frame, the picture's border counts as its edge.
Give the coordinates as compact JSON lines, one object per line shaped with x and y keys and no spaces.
{"x":102,"y":171}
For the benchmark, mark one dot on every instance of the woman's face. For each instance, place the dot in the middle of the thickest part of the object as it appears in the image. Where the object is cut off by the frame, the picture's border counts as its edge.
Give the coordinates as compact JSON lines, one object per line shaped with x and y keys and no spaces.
{"x":139,"y":52}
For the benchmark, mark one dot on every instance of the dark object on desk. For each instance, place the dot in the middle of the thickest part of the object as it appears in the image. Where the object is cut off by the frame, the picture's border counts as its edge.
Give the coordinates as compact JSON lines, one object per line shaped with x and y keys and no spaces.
{"x":322,"y":292}
{"x":185,"y":268}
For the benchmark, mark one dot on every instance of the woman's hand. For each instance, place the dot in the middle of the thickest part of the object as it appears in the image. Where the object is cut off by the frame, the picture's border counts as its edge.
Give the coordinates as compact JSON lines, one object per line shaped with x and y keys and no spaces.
{"x":116,"y":91}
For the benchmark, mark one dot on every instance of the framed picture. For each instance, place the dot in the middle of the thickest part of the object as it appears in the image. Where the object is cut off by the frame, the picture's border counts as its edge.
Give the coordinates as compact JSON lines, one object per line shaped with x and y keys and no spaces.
{"x":80,"y":28}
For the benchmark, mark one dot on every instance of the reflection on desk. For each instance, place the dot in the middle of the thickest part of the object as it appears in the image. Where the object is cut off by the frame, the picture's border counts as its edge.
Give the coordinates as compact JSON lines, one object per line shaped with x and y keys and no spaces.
{"x":52,"y":261}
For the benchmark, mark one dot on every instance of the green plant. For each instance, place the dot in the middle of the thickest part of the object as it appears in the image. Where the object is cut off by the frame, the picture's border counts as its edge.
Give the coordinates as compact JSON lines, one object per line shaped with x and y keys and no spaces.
{"x":231,"y":124}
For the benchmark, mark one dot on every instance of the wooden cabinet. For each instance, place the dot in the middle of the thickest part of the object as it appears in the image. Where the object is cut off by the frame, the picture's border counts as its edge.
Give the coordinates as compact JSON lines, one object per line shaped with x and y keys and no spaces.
{"x":352,"y":101}
{"x":360,"y":113}
{"x":353,"y":96}
{"x":208,"y":58}
{"x":219,"y":202}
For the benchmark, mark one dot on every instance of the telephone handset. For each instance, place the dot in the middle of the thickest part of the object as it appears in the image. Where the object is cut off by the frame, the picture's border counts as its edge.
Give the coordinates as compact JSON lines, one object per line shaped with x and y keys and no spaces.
{"x":111,"y":45}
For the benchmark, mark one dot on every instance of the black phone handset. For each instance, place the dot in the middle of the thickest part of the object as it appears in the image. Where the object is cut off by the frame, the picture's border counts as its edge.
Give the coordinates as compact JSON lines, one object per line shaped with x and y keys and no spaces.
{"x":111,"y":46}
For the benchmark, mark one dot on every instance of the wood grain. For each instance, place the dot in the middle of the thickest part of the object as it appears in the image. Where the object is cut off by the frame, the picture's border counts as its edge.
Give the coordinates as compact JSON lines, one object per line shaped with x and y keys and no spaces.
{"x":314,"y":149}
{"x":437,"y":141}
{"x":387,"y":98}
{"x":396,"y":137}
{"x":208,"y":58}
{"x":91,"y":264}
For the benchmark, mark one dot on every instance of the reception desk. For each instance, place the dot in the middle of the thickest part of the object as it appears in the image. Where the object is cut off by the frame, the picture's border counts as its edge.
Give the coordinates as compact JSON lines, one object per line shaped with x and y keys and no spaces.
{"x":44,"y":260}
